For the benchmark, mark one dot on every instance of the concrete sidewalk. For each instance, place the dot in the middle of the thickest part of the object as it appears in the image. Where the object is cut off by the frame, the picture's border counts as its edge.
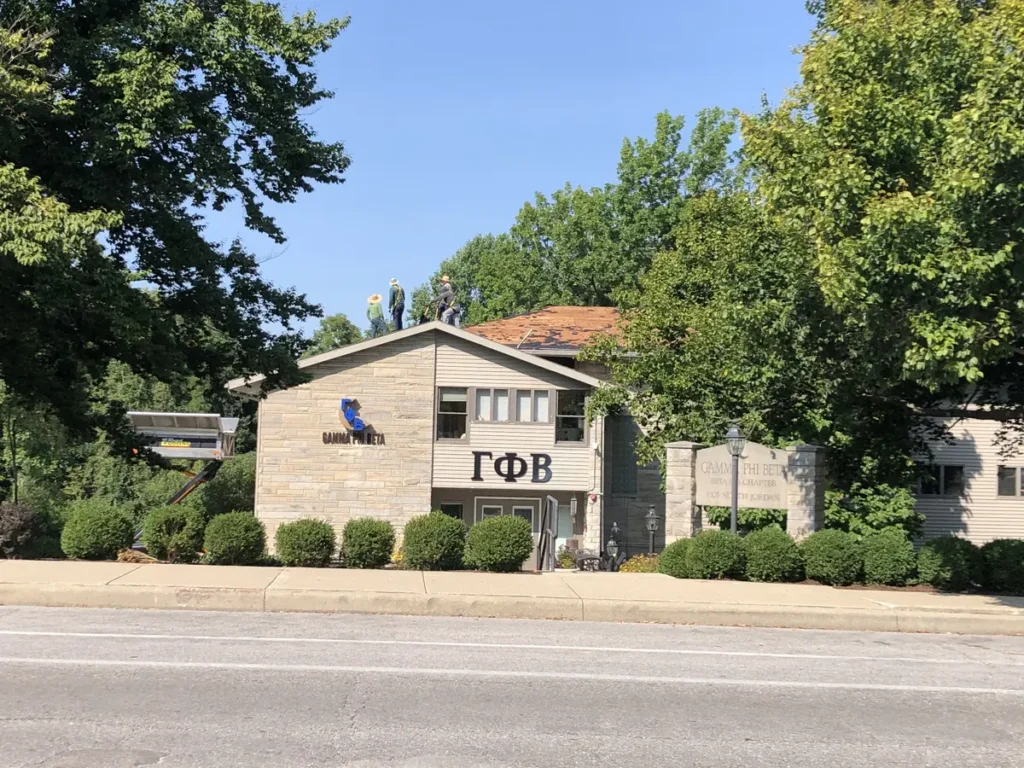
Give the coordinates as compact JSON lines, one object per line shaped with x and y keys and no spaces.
{"x":629,"y":597}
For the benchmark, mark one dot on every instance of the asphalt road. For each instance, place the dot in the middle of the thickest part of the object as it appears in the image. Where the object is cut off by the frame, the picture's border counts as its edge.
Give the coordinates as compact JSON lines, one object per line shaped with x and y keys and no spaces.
{"x":118,"y":689}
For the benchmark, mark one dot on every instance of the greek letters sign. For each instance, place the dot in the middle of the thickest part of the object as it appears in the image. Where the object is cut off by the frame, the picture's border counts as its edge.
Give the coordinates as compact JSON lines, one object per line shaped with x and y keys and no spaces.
{"x":512,"y":467}
{"x":764,"y":477}
{"x":357,"y":432}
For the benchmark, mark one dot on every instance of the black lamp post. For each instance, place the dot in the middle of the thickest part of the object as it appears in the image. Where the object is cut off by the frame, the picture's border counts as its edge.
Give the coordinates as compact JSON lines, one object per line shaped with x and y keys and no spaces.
{"x":735,"y":440}
{"x":611,"y":547}
{"x":652,"y":526}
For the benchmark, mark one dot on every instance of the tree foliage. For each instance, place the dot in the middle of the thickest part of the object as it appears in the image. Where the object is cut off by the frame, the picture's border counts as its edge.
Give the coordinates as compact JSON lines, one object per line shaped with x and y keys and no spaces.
{"x":896,"y":156}
{"x":335,"y":331}
{"x":590,"y":247}
{"x":130,"y":120}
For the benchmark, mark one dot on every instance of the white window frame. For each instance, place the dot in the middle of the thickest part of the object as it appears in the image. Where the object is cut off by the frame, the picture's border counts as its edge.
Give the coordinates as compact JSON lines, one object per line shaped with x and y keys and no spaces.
{"x":941,"y":480}
{"x":492,"y":409}
{"x":438,"y":412}
{"x":583,"y":418}
{"x":1018,"y":477}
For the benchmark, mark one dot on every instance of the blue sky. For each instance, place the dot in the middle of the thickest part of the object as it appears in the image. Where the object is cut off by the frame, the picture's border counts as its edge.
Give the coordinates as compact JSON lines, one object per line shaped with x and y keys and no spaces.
{"x":457,"y":112}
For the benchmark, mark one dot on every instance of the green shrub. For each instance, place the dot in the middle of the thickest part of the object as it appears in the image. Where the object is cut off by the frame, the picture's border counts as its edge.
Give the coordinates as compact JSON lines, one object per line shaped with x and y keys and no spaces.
{"x":566,"y":558}
{"x":949,"y":563}
{"x":752,"y":519}
{"x":434,"y":542}
{"x":772,"y":556}
{"x":173,"y":533}
{"x":715,"y":555}
{"x":501,"y":544}
{"x":832,"y":557}
{"x":367,"y":543}
{"x":305,"y":543}
{"x":44,"y":542}
{"x":17,"y":522}
{"x":96,"y":530}
{"x":641,"y":564}
{"x":672,"y":561}
{"x":235,"y":538}
{"x":233,"y":489}
{"x":889,"y":557}
{"x":864,"y":510}
{"x":1003,"y":562}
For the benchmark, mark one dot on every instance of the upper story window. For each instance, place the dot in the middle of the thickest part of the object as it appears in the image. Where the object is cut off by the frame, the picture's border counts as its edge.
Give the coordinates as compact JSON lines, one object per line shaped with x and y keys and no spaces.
{"x":491,"y":405}
{"x":942,"y":480}
{"x":570,"y":418}
{"x":1009,"y":484}
{"x":532,"y":405}
{"x":451,"y":412}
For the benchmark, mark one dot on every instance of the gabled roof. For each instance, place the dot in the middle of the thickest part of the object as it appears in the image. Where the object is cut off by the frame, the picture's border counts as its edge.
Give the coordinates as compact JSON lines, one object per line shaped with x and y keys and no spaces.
{"x":552,"y":329}
{"x":249,"y":387}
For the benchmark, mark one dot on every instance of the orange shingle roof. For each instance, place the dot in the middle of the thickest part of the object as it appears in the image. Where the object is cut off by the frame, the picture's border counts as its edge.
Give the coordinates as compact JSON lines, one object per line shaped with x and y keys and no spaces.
{"x":551,"y":328}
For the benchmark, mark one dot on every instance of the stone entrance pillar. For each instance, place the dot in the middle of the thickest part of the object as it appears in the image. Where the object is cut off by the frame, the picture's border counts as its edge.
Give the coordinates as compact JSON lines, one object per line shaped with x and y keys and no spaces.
{"x":682,"y":515}
{"x":806,"y":491}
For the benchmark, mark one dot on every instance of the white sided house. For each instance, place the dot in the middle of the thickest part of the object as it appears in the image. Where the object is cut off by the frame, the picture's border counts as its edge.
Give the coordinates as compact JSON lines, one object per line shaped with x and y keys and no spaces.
{"x":477,"y":423}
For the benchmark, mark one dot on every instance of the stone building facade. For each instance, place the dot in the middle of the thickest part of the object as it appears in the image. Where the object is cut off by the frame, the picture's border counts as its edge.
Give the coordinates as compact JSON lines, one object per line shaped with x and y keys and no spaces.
{"x":448,"y":419}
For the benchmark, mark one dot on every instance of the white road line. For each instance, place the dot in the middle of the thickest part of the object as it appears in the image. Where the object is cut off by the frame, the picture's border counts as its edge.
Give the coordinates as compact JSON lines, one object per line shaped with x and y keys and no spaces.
{"x":507,"y":674}
{"x":509,"y":646}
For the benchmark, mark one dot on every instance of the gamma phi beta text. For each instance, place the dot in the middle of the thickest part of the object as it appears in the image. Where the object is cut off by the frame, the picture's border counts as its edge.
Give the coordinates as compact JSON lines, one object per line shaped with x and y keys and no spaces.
{"x":512,"y":467}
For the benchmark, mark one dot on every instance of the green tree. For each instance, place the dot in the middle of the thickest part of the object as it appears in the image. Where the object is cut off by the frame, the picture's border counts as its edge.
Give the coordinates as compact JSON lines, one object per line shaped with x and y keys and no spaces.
{"x":131,"y":120}
{"x":591,"y":247}
{"x":896,"y":156}
{"x":335,"y":331}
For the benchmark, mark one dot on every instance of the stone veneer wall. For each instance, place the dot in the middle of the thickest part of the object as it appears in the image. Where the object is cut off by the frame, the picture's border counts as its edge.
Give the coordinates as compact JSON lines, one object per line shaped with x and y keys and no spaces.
{"x":299,"y":476}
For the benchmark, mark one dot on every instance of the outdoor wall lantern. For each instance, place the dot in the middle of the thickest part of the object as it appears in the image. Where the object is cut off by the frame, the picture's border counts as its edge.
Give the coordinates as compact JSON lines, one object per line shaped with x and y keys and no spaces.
{"x":652,"y":526}
{"x":736,"y":442}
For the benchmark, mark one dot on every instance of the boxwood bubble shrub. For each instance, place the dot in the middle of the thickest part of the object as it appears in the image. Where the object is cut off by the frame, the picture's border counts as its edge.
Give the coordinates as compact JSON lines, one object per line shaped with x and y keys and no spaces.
{"x":772,"y":556}
{"x":305,"y":543}
{"x":715,"y":555}
{"x":832,"y":557}
{"x":235,"y":538}
{"x":501,"y":544}
{"x":367,"y":543}
{"x":434,"y":542}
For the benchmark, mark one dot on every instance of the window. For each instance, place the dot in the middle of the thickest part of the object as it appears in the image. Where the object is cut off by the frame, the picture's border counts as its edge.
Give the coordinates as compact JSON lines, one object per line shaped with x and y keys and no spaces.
{"x":942,"y":480}
{"x":532,"y":405}
{"x":491,"y":405}
{"x":451,"y":412}
{"x":483,"y":405}
{"x":570,"y":416}
{"x":527,"y":514}
{"x":524,"y":405}
{"x":452,"y":510}
{"x":1007,"y":482}
{"x":489,"y":510}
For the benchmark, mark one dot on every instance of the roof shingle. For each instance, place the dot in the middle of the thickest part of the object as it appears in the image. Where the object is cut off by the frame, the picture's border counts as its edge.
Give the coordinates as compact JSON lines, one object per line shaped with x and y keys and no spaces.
{"x":551,"y":328}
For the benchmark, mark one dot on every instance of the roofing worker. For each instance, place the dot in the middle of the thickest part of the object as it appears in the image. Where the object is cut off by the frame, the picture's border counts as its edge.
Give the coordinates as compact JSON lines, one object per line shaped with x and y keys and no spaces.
{"x":396,"y":304}
{"x":375,"y":314}
{"x":445,"y":299}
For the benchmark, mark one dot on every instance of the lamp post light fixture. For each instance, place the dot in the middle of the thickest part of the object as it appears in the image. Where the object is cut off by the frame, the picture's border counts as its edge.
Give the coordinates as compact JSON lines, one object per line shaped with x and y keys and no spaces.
{"x":611,"y":547}
{"x":652,"y":525}
{"x":736,"y":442}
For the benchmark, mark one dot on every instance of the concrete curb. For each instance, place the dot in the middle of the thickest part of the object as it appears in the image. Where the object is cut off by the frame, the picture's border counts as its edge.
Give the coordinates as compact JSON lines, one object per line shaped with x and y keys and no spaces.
{"x":883,"y":619}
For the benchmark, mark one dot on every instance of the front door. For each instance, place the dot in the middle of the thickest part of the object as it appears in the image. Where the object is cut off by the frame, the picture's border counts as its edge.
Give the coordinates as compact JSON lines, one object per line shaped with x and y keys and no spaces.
{"x":528,"y":509}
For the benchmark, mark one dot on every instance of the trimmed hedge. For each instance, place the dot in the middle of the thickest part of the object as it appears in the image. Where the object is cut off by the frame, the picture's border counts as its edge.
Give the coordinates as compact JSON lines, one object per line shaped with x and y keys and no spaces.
{"x":949,"y":563}
{"x":367,"y":543}
{"x":17,"y":523}
{"x":889,"y":557}
{"x":772,"y":556}
{"x":1003,"y":564}
{"x":173,"y":533}
{"x":641,"y":564}
{"x":305,"y":543}
{"x":434,"y":542}
{"x":96,"y":530}
{"x":235,"y":538}
{"x":672,"y":561}
{"x":715,"y":555}
{"x":832,"y":557}
{"x":500,"y":544}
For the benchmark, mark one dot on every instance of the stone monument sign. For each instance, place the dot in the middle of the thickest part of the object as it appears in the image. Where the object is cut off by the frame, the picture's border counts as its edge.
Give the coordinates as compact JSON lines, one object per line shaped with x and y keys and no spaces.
{"x":763,"y":477}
